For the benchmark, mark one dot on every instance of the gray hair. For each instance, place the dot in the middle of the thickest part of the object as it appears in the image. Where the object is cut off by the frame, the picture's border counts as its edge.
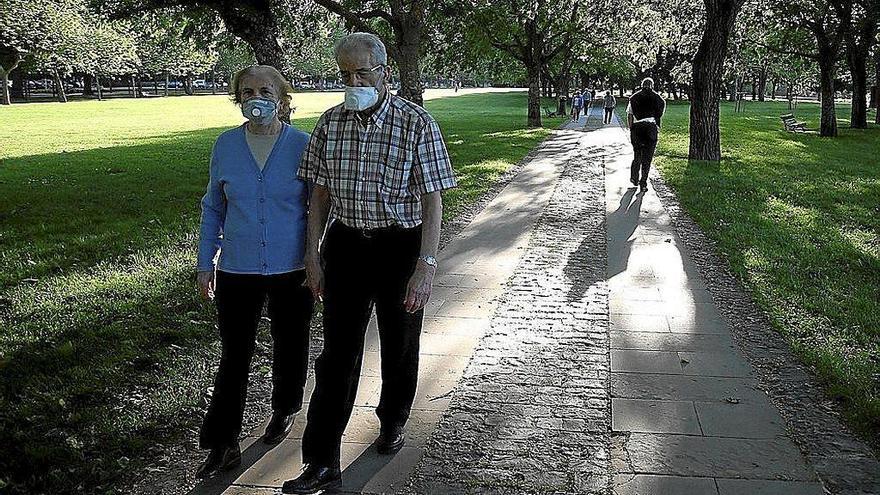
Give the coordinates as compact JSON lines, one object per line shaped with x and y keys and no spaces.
{"x":648,"y":83}
{"x":363,"y":41}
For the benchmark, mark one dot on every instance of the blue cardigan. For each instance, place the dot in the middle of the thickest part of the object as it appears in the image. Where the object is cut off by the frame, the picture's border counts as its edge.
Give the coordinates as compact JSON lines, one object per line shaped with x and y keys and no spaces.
{"x":256,"y":219}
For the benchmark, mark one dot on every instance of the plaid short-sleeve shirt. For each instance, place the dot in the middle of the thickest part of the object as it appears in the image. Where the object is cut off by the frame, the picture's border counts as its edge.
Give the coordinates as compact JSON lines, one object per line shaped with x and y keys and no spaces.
{"x":378,"y":168}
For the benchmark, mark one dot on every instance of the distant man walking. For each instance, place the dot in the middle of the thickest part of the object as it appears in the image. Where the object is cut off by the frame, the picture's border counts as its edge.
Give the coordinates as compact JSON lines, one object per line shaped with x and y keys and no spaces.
{"x":644,"y":111}
{"x":577,"y":103}
{"x":609,"y":103}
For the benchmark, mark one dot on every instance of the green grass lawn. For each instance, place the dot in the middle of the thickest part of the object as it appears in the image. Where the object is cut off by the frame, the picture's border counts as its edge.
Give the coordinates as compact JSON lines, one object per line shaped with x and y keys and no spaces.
{"x":798,"y":216}
{"x":105,"y":349}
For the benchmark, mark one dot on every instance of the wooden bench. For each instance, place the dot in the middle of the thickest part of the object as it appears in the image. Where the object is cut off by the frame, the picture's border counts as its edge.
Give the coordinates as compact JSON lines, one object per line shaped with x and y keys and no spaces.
{"x":791,"y":124}
{"x":549,"y":113}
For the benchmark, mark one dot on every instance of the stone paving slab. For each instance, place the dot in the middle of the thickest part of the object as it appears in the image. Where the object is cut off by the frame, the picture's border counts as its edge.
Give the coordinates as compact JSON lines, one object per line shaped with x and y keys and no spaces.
{"x":648,"y":484}
{"x":654,"y":416}
{"x":683,"y":455}
{"x":768,"y":487}
{"x":670,"y":341}
{"x":680,"y":387}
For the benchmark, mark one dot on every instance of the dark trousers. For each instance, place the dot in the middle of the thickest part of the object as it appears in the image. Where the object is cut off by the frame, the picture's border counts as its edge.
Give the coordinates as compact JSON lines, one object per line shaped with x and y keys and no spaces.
{"x":643,"y":136}
{"x":240,"y":300}
{"x":363,"y":269}
{"x":609,"y":112}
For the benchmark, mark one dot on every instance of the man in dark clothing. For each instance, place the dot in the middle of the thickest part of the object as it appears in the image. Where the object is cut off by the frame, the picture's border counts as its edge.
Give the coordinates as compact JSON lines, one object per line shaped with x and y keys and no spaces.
{"x":644,"y":112}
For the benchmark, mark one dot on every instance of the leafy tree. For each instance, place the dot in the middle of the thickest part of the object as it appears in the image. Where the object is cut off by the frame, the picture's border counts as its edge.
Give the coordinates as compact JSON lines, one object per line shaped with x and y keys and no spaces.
{"x":532,"y":32}
{"x":828,"y":22}
{"x":403,"y":27}
{"x":24,"y":29}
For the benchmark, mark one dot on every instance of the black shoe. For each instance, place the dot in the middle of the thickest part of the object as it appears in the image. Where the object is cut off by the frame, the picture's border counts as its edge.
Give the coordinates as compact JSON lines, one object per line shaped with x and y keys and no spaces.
{"x":278,"y":428}
{"x":219,"y":460}
{"x":634,"y":182}
{"x":390,"y":440}
{"x":643,"y":188}
{"x":314,"y":479}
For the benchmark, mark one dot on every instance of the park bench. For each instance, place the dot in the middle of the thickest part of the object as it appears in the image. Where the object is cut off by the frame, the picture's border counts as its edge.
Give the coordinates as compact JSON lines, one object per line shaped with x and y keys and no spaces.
{"x":548,"y":112}
{"x":792,"y":125}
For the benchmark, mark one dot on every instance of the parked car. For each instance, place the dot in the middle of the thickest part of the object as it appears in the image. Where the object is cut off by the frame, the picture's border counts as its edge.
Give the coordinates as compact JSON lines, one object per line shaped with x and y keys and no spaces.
{"x":200,"y":84}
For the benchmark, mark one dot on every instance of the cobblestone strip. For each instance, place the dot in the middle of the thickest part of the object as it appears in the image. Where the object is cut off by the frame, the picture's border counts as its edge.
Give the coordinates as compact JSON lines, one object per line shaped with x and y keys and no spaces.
{"x":531,"y":414}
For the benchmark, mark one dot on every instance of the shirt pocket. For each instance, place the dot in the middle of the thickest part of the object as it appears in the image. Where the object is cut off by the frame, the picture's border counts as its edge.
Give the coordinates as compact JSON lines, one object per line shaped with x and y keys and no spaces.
{"x":395,"y":172}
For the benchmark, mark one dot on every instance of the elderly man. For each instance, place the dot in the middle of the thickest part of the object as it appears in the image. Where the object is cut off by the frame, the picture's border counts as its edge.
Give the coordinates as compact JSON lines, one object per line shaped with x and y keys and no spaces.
{"x":644,"y":111}
{"x":378,"y":164}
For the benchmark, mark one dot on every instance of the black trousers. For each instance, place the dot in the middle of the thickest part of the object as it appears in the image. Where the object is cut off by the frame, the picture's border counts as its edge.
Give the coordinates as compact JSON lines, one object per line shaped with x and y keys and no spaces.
{"x":609,"y":112}
{"x":240,"y":300}
{"x":363,"y":269}
{"x":643,"y":136}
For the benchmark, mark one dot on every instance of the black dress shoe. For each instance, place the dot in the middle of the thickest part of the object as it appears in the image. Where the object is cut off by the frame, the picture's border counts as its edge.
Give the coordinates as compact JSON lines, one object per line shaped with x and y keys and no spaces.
{"x":314,"y":479}
{"x":220,"y":459}
{"x":643,"y":188}
{"x":278,"y":428}
{"x":634,"y":182}
{"x":390,"y":440}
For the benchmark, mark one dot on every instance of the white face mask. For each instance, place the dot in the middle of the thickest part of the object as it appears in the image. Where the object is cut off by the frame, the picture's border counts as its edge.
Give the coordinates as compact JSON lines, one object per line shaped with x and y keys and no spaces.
{"x":360,"y":98}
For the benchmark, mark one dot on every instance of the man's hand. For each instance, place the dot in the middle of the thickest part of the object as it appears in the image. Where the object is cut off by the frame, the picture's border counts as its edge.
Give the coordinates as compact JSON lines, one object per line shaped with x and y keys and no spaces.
{"x":206,"y":284}
{"x":315,"y":276}
{"x":418,"y":290}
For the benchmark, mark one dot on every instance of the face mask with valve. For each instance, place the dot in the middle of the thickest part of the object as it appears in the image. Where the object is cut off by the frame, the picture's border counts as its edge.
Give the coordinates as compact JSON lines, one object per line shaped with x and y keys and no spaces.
{"x":259,"y":110}
{"x":360,"y":98}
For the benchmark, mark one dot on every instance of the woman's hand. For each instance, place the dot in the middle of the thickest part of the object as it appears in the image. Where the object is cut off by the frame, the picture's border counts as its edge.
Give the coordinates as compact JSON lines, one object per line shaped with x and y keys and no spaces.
{"x":206,"y":285}
{"x":418,"y":290}
{"x":315,"y":276}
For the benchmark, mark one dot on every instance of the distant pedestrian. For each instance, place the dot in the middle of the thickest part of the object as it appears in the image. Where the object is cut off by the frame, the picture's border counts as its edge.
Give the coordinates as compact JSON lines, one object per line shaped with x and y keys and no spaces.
{"x":577,"y":103}
{"x":644,"y":111}
{"x":609,"y":104}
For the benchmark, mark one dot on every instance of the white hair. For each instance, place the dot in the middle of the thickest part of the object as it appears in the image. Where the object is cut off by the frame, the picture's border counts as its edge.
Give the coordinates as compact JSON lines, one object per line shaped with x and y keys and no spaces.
{"x":648,"y":83}
{"x":363,"y":41}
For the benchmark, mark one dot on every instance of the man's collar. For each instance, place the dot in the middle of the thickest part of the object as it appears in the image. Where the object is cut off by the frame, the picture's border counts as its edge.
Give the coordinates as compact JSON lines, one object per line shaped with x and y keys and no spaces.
{"x":378,"y":116}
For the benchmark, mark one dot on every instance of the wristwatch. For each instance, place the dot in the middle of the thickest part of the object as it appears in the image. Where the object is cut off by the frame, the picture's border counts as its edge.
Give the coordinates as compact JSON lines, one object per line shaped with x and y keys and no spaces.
{"x":429,"y":260}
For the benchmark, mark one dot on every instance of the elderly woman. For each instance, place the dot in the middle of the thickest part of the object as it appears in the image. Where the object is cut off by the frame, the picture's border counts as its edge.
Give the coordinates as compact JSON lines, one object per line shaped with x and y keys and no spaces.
{"x":254,"y":215}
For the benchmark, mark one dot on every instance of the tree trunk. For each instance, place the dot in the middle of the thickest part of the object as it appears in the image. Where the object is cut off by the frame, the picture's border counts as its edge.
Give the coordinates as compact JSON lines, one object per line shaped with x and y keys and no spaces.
{"x":857,"y":51}
{"x":213,"y":82}
{"x":188,"y":85}
{"x":533,"y":69}
{"x":562,"y":89}
{"x":7,"y":65}
{"x":62,"y":96}
{"x":762,"y":84}
{"x":859,"y":72}
{"x":708,"y":64}
{"x":407,"y":58}
{"x":5,"y":99}
{"x":828,"y":119}
{"x":167,"y":82}
{"x":18,"y":82}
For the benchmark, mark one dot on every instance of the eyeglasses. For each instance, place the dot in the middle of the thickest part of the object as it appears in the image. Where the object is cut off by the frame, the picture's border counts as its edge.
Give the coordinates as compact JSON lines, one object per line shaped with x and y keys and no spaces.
{"x":361,"y":73}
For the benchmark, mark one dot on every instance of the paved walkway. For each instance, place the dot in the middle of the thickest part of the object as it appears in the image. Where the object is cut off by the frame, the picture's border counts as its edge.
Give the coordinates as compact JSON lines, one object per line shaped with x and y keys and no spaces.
{"x":686,"y":410}
{"x":570,"y":347}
